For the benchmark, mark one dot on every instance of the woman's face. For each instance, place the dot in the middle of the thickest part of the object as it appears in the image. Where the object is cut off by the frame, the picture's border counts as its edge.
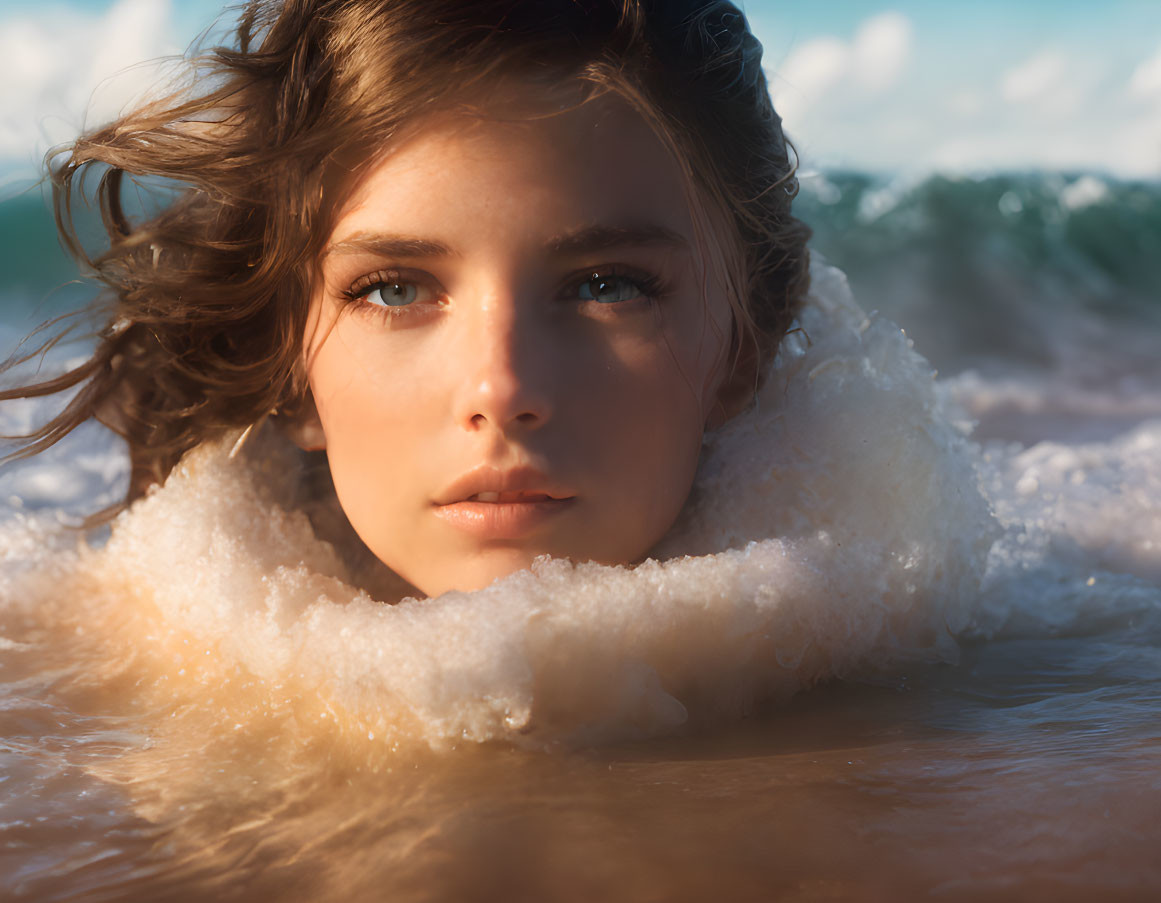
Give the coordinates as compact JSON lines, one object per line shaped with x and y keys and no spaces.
{"x":515,"y":343}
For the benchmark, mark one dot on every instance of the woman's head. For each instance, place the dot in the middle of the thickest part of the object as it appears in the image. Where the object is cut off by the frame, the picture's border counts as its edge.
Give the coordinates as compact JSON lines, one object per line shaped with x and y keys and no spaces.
{"x":597,"y":196}
{"x":516,"y":341}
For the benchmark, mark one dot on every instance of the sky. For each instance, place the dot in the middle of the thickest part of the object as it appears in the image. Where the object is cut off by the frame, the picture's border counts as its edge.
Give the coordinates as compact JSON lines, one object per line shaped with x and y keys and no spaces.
{"x":907,"y":87}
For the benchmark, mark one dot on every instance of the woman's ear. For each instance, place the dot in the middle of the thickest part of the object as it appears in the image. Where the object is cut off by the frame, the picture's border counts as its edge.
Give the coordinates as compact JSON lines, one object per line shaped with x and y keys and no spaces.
{"x":739,"y":385}
{"x":303,"y":426}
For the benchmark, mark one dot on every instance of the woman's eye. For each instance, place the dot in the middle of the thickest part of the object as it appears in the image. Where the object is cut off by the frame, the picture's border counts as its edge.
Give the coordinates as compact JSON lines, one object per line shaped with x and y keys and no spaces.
{"x":609,"y":289}
{"x":390,"y":289}
{"x":391,"y":294}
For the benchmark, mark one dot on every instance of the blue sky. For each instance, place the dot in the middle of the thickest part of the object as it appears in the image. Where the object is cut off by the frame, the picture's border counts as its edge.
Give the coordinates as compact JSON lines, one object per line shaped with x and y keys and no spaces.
{"x":902,"y":86}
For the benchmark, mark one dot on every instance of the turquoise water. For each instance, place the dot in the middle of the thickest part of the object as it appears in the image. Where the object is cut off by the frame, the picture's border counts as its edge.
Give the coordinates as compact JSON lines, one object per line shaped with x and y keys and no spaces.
{"x":36,"y":272}
{"x":1026,"y":269}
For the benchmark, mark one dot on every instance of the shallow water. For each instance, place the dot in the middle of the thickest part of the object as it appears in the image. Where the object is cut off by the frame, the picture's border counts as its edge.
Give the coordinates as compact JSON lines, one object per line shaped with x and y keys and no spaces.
{"x":1023,"y":773}
{"x":877,"y":661}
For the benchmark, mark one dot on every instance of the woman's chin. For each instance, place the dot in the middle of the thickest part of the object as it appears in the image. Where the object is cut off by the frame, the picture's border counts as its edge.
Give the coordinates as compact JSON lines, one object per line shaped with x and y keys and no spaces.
{"x":481,"y":570}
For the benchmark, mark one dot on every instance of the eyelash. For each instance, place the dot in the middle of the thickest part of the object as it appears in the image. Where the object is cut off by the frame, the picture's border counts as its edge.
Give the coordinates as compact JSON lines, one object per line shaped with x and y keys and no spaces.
{"x":364,"y":285}
{"x":649,"y":286}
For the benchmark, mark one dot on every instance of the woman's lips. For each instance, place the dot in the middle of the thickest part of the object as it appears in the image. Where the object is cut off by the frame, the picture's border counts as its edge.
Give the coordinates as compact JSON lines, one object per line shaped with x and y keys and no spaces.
{"x":494,"y":503}
{"x":503,"y":515}
{"x":504,"y":497}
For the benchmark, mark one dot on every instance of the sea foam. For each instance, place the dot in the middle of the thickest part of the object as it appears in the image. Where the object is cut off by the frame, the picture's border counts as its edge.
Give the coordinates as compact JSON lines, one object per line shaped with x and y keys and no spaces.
{"x":836,"y":527}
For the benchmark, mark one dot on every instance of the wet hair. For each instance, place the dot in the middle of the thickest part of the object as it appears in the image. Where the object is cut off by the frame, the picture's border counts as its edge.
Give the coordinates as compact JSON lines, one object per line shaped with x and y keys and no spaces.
{"x":206,"y":301}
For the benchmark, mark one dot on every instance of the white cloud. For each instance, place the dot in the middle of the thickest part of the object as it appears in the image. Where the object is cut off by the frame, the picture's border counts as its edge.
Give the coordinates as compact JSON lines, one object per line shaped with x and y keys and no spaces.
{"x":1127,"y":147}
{"x":1050,"y":85}
{"x":880,"y":51}
{"x":1146,"y":78}
{"x":809,"y":73}
{"x":1135,"y":148}
{"x":826,"y":67}
{"x":1034,"y":79}
{"x":59,"y":73}
{"x":885,"y":98}
{"x":966,"y":103}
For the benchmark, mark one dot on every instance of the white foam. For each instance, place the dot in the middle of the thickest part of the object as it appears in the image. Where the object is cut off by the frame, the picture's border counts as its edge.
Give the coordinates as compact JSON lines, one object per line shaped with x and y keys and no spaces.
{"x":1084,"y":192}
{"x":837,"y":526}
{"x":1032,"y":407}
{"x":1082,"y":548}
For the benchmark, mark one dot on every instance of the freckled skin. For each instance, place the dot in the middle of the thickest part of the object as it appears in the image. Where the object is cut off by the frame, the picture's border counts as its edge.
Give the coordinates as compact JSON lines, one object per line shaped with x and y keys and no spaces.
{"x":492,"y":356}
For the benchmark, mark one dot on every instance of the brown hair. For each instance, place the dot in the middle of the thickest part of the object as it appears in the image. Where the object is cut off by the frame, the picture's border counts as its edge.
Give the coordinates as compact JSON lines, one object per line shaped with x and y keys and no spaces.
{"x":208,"y":299}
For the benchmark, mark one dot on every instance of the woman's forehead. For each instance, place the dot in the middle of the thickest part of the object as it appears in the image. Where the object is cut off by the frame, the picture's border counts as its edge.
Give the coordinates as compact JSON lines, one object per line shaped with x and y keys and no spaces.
{"x":535,"y":158}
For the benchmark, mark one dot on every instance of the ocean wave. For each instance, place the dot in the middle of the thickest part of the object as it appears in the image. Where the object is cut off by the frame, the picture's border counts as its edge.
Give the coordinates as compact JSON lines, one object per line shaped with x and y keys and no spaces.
{"x":1038,"y":273}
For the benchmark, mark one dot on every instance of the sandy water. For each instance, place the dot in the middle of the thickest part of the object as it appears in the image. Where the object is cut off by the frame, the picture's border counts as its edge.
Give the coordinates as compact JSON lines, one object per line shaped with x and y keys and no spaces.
{"x":874,"y":660}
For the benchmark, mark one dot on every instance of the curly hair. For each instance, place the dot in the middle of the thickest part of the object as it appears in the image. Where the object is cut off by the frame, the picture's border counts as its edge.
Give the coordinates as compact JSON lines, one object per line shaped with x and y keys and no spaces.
{"x":206,"y":302}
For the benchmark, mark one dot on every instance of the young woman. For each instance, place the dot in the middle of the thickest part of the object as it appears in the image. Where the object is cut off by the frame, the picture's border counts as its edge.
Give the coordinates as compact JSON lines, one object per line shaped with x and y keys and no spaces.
{"x":504,"y":261}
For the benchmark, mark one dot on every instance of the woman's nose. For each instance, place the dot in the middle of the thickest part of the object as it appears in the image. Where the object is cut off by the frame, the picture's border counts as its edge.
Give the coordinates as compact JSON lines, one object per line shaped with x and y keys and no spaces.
{"x":507,"y":368}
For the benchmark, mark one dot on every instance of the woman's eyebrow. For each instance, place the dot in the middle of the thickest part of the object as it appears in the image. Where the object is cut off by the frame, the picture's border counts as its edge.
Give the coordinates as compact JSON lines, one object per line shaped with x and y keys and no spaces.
{"x":580,"y":241}
{"x":600,"y":238}
{"x":387,"y":245}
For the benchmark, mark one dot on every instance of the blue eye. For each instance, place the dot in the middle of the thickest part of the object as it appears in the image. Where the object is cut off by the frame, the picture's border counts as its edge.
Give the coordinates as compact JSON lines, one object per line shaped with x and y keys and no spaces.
{"x":397,"y":294}
{"x":609,"y":289}
{"x":395,"y":290}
